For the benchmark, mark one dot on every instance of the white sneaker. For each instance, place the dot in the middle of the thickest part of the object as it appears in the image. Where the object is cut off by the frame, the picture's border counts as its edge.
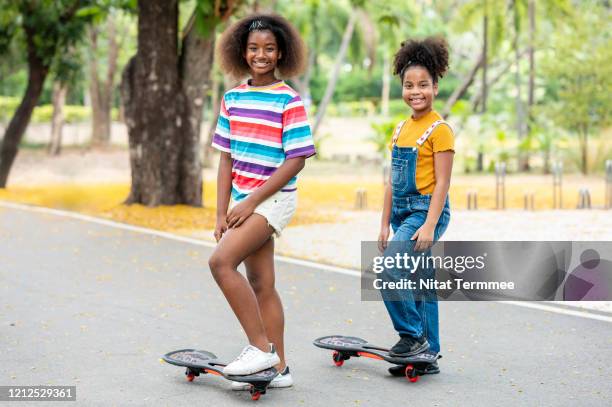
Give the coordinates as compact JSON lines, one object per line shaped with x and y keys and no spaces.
{"x":252,"y":360}
{"x":283,"y":379}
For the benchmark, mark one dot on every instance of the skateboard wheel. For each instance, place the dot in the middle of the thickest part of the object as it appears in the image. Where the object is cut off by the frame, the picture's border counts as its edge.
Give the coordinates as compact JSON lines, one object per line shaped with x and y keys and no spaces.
{"x":190,"y":374}
{"x":338,"y":358}
{"x":411,"y":374}
{"x":256,"y":392}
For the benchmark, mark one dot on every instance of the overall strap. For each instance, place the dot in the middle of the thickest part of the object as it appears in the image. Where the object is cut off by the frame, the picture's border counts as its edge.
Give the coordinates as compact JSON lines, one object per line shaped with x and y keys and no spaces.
{"x":430,"y":130}
{"x":397,"y":130}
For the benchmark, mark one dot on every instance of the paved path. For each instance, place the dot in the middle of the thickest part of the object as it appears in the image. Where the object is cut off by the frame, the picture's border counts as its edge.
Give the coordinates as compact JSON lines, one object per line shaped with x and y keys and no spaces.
{"x":95,"y":306}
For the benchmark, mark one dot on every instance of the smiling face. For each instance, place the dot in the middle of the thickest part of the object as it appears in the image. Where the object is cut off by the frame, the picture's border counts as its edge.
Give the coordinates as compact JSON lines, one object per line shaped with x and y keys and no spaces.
{"x":262,"y":55}
{"x":419,"y":90}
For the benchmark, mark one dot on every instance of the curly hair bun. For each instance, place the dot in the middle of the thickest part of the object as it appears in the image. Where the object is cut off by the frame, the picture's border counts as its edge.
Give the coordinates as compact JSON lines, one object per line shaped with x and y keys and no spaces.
{"x":233,"y":42}
{"x":430,"y":53}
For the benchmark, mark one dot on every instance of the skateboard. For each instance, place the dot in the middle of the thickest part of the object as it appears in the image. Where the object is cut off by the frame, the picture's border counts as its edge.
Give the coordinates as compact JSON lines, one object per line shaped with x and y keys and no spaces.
{"x":200,"y":362}
{"x":346,"y":347}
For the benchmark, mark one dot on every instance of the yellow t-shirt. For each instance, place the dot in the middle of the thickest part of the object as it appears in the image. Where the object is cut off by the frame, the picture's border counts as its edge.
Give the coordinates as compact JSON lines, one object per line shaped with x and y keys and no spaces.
{"x":441,"y":139}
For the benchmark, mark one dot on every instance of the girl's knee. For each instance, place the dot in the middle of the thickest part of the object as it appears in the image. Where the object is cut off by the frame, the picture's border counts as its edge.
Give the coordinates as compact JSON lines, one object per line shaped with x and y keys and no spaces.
{"x":218,"y":263}
{"x":261,"y":287}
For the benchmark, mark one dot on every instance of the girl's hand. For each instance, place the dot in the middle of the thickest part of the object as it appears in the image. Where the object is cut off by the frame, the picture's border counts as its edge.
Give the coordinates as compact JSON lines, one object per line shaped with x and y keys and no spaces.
{"x":383,"y":237}
{"x":220,"y":228}
{"x":424,"y":238}
{"x":240,"y":213}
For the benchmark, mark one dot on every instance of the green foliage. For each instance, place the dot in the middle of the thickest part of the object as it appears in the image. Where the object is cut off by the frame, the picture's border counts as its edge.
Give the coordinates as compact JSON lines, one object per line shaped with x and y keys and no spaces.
{"x":43,"y":113}
{"x":353,"y":86}
{"x":383,"y":133}
{"x":8,"y":105}
{"x":9,"y":26}
{"x":398,"y":107}
{"x":72,"y":114}
{"x":599,"y":150}
{"x":29,"y":145}
{"x":358,"y":108}
{"x":55,"y":28}
{"x":580,"y":65}
{"x":572,"y":80}
{"x":318,"y":142}
{"x":206,"y":17}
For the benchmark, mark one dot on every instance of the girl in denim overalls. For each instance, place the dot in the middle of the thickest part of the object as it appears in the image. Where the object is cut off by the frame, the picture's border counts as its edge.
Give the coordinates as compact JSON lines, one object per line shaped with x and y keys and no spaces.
{"x":416,"y":199}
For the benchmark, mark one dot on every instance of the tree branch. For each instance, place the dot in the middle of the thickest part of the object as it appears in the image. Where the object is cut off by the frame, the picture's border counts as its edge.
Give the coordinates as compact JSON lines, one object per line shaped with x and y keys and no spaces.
{"x":465,"y":85}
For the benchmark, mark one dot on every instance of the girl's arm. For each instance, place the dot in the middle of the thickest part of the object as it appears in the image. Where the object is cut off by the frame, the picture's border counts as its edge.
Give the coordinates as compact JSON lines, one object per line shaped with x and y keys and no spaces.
{"x":383,"y":236}
{"x":224,"y":191}
{"x":289,"y":169}
{"x":443,"y":165}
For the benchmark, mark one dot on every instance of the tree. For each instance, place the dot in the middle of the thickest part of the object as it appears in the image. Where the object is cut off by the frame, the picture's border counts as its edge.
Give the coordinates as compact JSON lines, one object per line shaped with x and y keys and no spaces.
{"x":467,"y":81}
{"x":526,"y":10}
{"x":66,"y":71}
{"x":495,"y":14}
{"x":102,"y":85}
{"x":50,"y":29}
{"x":521,"y":121}
{"x":485,"y":63}
{"x":323,"y":25}
{"x":162,"y":92}
{"x":305,"y":16}
{"x":580,"y":75}
{"x":57,"y":120}
{"x":335,"y":72}
{"x":492,"y":14}
{"x":388,"y":24}
{"x":554,"y":10}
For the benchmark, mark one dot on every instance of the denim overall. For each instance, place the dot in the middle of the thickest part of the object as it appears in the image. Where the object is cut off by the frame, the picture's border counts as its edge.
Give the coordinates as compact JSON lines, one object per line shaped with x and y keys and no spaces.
{"x":409,"y":212}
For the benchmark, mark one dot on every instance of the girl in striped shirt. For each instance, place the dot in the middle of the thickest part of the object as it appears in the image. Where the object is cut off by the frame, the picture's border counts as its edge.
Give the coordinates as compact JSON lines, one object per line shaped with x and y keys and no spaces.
{"x":264,"y":139}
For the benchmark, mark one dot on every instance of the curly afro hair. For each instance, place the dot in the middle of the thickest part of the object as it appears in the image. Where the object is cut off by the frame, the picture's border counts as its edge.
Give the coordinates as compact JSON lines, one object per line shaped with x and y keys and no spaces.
{"x":233,"y":42}
{"x":431,"y":53}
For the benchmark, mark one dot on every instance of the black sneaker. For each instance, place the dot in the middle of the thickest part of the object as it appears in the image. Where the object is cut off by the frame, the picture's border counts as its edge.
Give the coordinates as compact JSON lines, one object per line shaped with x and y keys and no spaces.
{"x":400,"y":370}
{"x":432,"y":369}
{"x":409,"y":346}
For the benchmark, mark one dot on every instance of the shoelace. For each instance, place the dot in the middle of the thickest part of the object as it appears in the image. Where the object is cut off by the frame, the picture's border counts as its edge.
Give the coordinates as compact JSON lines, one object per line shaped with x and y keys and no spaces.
{"x":247,"y":353}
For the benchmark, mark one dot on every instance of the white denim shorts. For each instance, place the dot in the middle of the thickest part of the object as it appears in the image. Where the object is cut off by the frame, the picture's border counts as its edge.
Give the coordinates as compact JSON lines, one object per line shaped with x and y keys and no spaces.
{"x":277,"y":209}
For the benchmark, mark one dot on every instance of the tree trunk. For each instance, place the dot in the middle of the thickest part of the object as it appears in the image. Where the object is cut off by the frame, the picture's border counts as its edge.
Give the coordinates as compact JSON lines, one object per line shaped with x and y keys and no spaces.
{"x":101,"y":125}
{"x":485,"y":57}
{"x":531,"y":89}
{"x":386,"y":84}
{"x":196,"y":66}
{"x":480,"y":160}
{"x":333,"y":79}
{"x":163,"y":100}
{"x":304,"y":82}
{"x":462,"y":89}
{"x":102,"y":92}
{"x":477,"y":97}
{"x":523,"y":156}
{"x":585,"y":149}
{"x":215,"y":105}
{"x":155,"y":108}
{"x":97,"y":130}
{"x":57,"y":121}
{"x":37,"y":72}
{"x":532,"y":31}
{"x":311,"y":65}
{"x":267,"y":7}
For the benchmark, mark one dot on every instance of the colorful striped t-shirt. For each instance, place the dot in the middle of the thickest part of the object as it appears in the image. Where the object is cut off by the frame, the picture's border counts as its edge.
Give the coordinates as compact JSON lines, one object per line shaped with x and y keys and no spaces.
{"x":261,"y":127}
